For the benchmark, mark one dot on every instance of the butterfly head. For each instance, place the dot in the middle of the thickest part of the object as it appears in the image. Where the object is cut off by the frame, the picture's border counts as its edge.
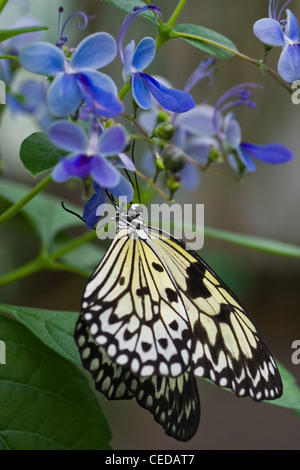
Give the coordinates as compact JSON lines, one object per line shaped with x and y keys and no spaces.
{"x":133,"y":221}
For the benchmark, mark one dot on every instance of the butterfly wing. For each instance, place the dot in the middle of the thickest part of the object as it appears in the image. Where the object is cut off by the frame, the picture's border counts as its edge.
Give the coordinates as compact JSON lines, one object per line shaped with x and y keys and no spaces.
{"x":132,"y":309}
{"x":174,"y":402}
{"x":227,"y":346}
{"x":107,"y":375}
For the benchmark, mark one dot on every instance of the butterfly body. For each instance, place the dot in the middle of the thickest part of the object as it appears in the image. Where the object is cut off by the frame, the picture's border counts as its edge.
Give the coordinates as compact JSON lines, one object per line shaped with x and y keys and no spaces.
{"x":157,"y":316}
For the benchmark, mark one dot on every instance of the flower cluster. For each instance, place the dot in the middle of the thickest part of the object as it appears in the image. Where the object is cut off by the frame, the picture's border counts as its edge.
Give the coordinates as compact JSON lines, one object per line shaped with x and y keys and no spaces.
{"x":82,"y":110}
{"x":274,"y":31}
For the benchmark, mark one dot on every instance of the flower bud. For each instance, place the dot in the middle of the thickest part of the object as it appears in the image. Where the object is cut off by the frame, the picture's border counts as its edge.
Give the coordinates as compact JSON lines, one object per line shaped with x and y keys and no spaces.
{"x":164,"y":131}
{"x":173,"y":158}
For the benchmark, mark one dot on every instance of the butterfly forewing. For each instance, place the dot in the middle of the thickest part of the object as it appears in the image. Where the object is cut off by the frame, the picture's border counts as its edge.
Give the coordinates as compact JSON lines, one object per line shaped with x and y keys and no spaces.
{"x":227,"y":346}
{"x":133,"y":310}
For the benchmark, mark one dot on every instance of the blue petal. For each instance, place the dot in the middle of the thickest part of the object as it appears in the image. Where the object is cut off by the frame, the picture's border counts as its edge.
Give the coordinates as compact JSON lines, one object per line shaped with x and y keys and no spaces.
{"x":244,"y":157}
{"x":289,"y":63}
{"x":291,"y":29}
{"x":140,"y":91}
{"x":232,"y":131}
{"x":112,"y":141}
{"x":128,"y":56}
{"x":104,"y":173}
{"x":90,"y":209}
{"x":174,"y":100}
{"x":198,"y":121}
{"x":144,"y":54}
{"x":269,"y":31}
{"x":100,"y":101}
{"x":190,"y":176}
{"x":100,"y":80}
{"x":94,"y":52}
{"x":199,"y":148}
{"x":77,"y":165}
{"x":270,"y":153}
{"x":125,"y":162}
{"x":123,"y":190}
{"x":68,"y":136}
{"x":64,"y":95}
{"x":42,"y":58}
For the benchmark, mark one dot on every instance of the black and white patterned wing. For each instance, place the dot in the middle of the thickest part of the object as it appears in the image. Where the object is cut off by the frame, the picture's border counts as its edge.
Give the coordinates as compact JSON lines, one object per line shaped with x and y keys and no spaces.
{"x":227,"y":345}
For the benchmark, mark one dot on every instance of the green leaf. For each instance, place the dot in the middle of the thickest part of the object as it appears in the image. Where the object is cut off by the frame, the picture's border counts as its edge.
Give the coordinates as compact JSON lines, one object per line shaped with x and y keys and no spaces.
{"x":128,"y":5}
{"x":47,"y":403}
{"x":291,"y":391}
{"x":2,"y":4}
{"x":207,"y":40}
{"x":38,"y":154}
{"x":10,"y":33}
{"x":55,"y":329}
{"x":44,"y":212}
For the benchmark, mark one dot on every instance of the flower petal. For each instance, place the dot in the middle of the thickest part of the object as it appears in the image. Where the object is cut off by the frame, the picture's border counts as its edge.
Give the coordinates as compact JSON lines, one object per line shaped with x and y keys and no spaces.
{"x":94,"y":52}
{"x":125,"y":162}
{"x":232,"y":131}
{"x":144,"y":54}
{"x":64,"y":95}
{"x":78,"y":165}
{"x":112,"y":141}
{"x":100,"y":80}
{"x":199,"y":148}
{"x":289,"y":63}
{"x":140,"y":91}
{"x":198,"y":121}
{"x":104,"y":173}
{"x":174,"y":100}
{"x":189,"y":176}
{"x":90,"y":209}
{"x":270,"y":153}
{"x":128,"y":56}
{"x":291,"y":29}
{"x":42,"y":58}
{"x":100,"y":101}
{"x":123,"y":190}
{"x":269,"y":31}
{"x":68,"y":136}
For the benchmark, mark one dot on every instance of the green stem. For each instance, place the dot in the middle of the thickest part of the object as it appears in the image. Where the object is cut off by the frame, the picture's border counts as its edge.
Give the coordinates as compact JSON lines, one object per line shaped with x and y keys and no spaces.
{"x":173,"y":18}
{"x":255,"y":62}
{"x":123,"y":92}
{"x":13,"y":210}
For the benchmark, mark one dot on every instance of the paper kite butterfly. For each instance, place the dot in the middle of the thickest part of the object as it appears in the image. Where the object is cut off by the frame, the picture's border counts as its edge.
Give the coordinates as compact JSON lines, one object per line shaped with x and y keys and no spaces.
{"x":155,"y":316}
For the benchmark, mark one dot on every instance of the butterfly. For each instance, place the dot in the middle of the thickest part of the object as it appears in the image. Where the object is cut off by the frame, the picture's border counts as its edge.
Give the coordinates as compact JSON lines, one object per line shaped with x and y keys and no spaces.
{"x":155,"y":316}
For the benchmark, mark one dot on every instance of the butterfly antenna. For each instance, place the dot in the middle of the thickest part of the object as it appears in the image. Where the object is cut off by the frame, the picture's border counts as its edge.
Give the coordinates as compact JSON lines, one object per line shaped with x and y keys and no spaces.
{"x":72,"y":212}
{"x":135,"y":176}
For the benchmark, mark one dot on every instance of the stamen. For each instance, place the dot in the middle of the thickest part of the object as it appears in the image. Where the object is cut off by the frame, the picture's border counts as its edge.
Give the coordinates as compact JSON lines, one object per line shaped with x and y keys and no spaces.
{"x":201,"y":72}
{"x":128,"y":20}
{"x":63,"y":38}
{"x":282,"y":9}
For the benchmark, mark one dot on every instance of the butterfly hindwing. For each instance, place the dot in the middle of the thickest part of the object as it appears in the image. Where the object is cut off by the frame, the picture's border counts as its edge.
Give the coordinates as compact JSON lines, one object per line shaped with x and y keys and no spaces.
{"x":174,"y":402}
{"x":227,"y":346}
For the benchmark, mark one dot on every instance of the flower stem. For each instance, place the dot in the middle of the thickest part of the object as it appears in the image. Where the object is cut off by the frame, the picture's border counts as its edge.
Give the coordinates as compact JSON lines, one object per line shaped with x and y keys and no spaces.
{"x":13,"y":210}
{"x":123,"y":92}
{"x":255,"y":62}
{"x":173,"y":18}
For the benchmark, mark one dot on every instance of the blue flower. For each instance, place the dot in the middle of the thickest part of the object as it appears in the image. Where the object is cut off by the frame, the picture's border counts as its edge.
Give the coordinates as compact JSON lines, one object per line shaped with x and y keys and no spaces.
{"x":88,"y":155}
{"x":240,"y":154}
{"x":93,"y":210}
{"x":76,"y":79}
{"x":283,"y":33}
{"x":135,"y":60}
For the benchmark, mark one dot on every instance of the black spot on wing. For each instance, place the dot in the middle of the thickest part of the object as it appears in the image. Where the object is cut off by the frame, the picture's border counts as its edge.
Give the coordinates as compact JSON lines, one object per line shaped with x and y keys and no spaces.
{"x":194,"y":282}
{"x":142,"y":292}
{"x":172,"y":295}
{"x":158,"y":267}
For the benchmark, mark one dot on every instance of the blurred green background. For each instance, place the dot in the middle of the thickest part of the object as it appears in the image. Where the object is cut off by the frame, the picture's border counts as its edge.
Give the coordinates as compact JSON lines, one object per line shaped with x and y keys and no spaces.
{"x":266,"y":204}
